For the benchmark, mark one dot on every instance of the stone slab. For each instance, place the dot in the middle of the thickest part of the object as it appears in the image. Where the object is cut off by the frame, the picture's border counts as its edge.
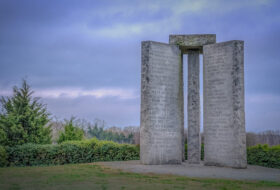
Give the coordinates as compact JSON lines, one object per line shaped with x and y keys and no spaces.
{"x":224,"y":117}
{"x":192,"y":41}
{"x":161,"y":104}
{"x":193,"y":108}
{"x":181,"y":106}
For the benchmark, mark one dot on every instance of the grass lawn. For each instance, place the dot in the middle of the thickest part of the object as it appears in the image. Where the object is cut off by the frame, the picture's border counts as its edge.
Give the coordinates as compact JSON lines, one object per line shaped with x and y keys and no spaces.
{"x":94,"y":176}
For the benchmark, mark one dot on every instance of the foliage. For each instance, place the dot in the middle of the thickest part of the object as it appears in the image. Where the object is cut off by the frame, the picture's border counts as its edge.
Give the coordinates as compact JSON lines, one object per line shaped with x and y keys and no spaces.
{"x":202,"y":151}
{"x":95,"y":150}
{"x":3,"y":136}
{"x":71,"y":132}
{"x":23,"y":119}
{"x":70,"y":152}
{"x":263,"y":155}
{"x":3,"y":157}
{"x":101,"y":134}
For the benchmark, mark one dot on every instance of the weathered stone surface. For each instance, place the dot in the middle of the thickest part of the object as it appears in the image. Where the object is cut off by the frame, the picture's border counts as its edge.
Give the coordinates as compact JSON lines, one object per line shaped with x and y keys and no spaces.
{"x":192,"y":41}
{"x":181,"y":106}
{"x":193,"y":108}
{"x":224,"y":119}
{"x":161,"y":104}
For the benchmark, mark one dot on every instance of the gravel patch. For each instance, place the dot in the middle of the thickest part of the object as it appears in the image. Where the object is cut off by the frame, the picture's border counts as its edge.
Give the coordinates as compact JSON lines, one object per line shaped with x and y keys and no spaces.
{"x":199,"y":170}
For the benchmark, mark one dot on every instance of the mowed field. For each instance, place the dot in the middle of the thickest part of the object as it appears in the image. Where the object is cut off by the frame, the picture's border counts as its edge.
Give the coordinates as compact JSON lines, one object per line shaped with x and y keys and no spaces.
{"x":96,"y":176}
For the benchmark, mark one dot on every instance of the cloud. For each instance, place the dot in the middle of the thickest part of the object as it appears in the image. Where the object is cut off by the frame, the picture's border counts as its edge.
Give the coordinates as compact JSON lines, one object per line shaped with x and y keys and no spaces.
{"x":73,"y":93}
{"x":115,"y":111}
{"x":264,"y":98}
{"x":118,"y":30}
{"x":84,"y":58}
{"x":122,"y":30}
{"x":262,"y":111}
{"x":146,"y":17}
{"x":117,"y":106}
{"x":214,"y":6}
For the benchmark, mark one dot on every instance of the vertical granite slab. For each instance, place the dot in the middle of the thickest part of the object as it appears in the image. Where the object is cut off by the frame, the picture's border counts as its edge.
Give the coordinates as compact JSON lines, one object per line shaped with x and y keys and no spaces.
{"x":181,"y":106}
{"x":193,"y":108}
{"x":224,"y":117}
{"x":161,"y":101}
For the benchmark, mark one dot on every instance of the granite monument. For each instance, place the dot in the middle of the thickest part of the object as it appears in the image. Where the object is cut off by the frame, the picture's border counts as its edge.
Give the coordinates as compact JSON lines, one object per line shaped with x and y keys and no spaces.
{"x":162,"y":101}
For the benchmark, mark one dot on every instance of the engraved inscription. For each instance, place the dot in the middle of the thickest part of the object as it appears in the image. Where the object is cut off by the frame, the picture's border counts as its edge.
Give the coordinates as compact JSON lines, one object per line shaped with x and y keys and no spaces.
{"x":160,"y":130}
{"x":224,"y":125}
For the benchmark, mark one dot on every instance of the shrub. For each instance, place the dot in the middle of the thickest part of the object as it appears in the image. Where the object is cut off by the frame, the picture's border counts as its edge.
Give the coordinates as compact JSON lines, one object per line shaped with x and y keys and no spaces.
{"x":71,"y":132}
{"x":3,"y":157}
{"x":71,"y":152}
{"x":95,"y":150}
{"x":263,"y":155}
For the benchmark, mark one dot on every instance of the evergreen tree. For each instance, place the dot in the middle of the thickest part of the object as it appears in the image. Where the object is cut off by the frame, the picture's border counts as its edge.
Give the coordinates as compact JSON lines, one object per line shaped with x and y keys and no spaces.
{"x":71,"y":132}
{"x":130,"y":138}
{"x":23,"y":119}
{"x":122,"y":138}
{"x":101,"y":134}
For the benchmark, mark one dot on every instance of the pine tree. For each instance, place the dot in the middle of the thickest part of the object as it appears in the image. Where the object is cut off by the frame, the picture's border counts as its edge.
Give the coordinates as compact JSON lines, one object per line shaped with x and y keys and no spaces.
{"x":71,"y":132}
{"x":23,"y":119}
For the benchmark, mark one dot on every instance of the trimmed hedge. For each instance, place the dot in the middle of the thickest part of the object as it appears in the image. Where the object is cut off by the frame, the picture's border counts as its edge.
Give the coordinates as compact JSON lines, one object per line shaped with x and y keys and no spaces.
{"x":70,"y":152}
{"x":95,"y":150}
{"x":263,"y":155}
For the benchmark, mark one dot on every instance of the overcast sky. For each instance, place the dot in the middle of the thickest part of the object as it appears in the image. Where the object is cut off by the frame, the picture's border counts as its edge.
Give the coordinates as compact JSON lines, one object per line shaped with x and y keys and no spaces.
{"x":83,"y":57}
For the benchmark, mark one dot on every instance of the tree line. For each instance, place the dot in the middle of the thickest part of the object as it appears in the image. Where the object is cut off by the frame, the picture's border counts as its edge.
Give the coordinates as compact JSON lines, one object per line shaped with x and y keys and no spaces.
{"x":24,"y":119}
{"x":93,"y":129}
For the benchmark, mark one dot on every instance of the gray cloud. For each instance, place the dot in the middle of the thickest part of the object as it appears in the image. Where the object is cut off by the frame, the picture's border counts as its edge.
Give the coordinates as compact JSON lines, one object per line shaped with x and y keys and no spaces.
{"x":96,"y":44}
{"x":113,"y":110}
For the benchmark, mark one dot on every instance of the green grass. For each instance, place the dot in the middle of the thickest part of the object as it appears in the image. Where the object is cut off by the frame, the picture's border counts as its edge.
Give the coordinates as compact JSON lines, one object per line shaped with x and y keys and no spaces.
{"x":95,"y":176}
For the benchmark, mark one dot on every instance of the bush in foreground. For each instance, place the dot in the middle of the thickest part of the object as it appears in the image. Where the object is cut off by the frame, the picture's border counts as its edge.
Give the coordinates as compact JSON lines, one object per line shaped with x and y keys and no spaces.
{"x":70,"y":152}
{"x":263,"y":155}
